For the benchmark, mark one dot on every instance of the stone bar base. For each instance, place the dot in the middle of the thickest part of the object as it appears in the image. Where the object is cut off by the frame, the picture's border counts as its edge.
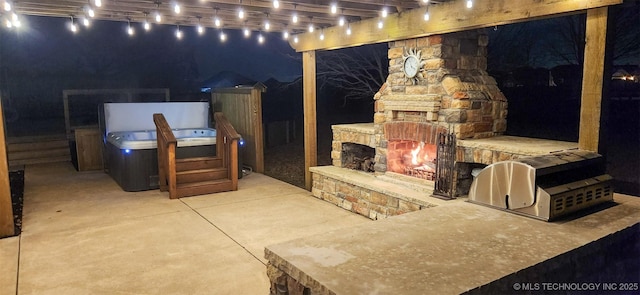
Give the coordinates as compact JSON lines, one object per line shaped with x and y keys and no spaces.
{"x":462,"y":247}
{"x":372,"y":196}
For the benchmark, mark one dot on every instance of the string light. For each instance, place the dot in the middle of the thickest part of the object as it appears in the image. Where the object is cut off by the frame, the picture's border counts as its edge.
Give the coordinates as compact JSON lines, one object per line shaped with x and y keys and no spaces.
{"x":72,"y":25}
{"x":15,"y":20}
{"x":425,"y":1}
{"x":295,"y":39}
{"x":178,"y":33}
{"x":8,"y":24}
{"x":85,"y":22}
{"x":380,"y":24}
{"x":311,"y":28}
{"x":322,"y":34}
{"x":334,"y":8}
{"x":349,"y":29}
{"x":267,"y":25}
{"x":176,"y":8}
{"x":146,"y":25}
{"x":91,"y":12}
{"x":200,"y":28}
{"x":276,"y":4}
{"x":216,"y":19}
{"x":130,"y":29}
{"x":158,"y":17}
{"x":426,"y":14}
{"x":260,"y":38}
{"x":294,"y":17}
{"x":7,"y":6}
{"x":469,"y":3}
{"x":246,"y":31}
{"x":97,"y":3}
{"x":285,"y":34}
{"x":240,"y":13}
{"x":341,"y":21}
{"x":384,"y":12}
{"x":223,"y":36}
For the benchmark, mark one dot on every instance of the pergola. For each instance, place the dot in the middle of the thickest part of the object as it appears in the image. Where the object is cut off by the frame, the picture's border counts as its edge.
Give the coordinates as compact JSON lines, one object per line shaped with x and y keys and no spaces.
{"x":405,"y":20}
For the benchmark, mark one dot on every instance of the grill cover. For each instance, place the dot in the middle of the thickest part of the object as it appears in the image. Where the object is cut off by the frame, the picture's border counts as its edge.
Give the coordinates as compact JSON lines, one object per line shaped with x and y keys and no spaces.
{"x":544,"y":187}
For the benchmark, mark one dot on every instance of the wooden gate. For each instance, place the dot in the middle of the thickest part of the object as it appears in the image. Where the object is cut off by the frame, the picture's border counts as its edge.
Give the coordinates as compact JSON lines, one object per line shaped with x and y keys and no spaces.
{"x":445,"y":165}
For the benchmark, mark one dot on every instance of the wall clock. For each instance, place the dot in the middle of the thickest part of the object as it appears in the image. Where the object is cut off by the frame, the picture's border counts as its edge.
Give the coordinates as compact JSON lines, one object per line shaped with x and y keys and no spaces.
{"x":412,"y":65}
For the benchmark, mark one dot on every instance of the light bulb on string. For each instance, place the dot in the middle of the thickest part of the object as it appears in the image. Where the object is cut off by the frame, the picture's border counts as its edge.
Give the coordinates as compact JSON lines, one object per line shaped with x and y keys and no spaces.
{"x":276,"y":4}
{"x":16,"y":21}
{"x":240,"y":13}
{"x":348,"y":29}
{"x":285,"y":34}
{"x":97,"y":3}
{"x":384,"y":12}
{"x":223,"y":36}
{"x":295,"y":39}
{"x":216,"y":20}
{"x":260,"y":38}
{"x":294,"y":16}
{"x":380,"y":24}
{"x":427,"y":16}
{"x":199,"y":27}
{"x":176,"y":8}
{"x":130,"y":29}
{"x":91,"y":12}
{"x":322,"y":34}
{"x":158,"y":17}
{"x":178,"y":33}
{"x":146,"y":25}
{"x":311,"y":28}
{"x":72,"y":26}
{"x":8,"y":23}
{"x":85,"y":22}
{"x":267,"y":25}
{"x":334,"y":8}
{"x":341,"y":21}
{"x":469,"y":3}
{"x":7,"y":6}
{"x":246,"y":32}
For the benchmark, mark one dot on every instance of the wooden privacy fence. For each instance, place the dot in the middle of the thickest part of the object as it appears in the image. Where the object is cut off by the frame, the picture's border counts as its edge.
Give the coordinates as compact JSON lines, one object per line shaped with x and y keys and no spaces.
{"x":197,"y":175}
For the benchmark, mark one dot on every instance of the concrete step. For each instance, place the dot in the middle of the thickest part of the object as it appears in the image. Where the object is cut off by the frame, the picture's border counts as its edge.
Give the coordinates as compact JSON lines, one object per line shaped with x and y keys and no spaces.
{"x":201,"y":175}
{"x":203,"y":187}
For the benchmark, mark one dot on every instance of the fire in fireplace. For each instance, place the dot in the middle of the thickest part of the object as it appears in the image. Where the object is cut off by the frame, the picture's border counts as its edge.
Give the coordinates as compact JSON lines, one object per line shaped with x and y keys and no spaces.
{"x":412,"y":158}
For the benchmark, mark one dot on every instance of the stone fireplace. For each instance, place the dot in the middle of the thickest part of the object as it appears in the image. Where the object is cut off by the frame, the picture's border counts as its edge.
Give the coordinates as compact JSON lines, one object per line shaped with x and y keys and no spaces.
{"x":452,"y":93}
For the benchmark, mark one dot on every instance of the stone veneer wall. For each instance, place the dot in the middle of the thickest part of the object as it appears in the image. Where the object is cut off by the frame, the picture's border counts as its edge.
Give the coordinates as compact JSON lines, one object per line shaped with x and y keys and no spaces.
{"x":454,"y":92}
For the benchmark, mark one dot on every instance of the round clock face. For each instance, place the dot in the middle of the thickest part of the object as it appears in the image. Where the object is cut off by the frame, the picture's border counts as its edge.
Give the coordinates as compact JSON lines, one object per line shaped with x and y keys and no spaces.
{"x":411,"y":66}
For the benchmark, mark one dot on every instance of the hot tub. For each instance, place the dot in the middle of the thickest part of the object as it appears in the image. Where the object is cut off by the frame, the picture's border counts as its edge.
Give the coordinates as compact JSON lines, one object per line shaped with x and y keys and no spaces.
{"x":133,"y":155}
{"x":131,"y":145}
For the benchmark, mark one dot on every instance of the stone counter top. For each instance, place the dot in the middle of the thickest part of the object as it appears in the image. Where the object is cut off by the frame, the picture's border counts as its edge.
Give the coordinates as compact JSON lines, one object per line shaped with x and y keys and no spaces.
{"x":366,"y":128}
{"x":518,"y":145}
{"x":448,"y":249}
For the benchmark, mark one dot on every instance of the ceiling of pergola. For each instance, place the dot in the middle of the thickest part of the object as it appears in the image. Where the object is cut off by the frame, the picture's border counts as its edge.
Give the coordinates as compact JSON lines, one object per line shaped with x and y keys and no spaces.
{"x":316,"y":12}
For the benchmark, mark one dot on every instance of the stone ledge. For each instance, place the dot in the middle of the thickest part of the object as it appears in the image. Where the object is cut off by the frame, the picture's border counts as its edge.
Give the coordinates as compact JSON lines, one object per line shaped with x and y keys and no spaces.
{"x":366,"y":128}
{"x":378,"y":184}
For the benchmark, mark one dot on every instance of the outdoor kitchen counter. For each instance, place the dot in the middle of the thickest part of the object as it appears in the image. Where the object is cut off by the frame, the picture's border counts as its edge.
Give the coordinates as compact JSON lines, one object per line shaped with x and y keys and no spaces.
{"x":448,"y":249}
{"x":518,"y":145}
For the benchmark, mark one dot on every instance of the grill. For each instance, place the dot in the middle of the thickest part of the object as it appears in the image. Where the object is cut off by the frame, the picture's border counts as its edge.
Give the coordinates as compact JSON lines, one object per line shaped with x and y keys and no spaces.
{"x":544,"y":187}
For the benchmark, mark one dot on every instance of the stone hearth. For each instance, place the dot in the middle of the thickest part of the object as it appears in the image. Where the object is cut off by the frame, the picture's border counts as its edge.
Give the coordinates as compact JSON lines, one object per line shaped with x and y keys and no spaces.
{"x":453,"y":94}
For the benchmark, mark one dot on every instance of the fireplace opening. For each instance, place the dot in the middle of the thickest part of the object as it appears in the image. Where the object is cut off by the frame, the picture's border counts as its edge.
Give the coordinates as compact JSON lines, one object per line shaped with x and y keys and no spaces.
{"x":412,"y":158}
{"x":357,"y":156}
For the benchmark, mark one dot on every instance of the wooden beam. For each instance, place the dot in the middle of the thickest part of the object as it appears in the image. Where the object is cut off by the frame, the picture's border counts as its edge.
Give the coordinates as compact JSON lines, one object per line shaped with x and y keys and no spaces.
{"x":447,"y":17}
{"x":6,"y":209}
{"x":593,"y":79}
{"x":309,"y":105}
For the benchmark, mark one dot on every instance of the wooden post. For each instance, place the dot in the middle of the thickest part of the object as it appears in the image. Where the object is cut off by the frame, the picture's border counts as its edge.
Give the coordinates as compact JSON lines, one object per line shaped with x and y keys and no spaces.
{"x":593,"y":79}
{"x":309,"y":105}
{"x":6,"y":209}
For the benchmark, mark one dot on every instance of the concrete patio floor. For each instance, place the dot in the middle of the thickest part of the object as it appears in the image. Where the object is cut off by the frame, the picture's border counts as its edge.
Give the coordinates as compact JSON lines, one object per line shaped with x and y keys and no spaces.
{"x":83,"y":235}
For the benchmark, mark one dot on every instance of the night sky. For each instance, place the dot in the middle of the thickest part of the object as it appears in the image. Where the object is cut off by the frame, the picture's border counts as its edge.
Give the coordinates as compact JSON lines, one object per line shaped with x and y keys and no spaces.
{"x":104,"y":48}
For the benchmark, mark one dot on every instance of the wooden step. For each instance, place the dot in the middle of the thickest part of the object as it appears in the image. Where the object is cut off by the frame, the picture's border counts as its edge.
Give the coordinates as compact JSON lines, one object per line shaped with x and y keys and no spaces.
{"x":34,"y":146}
{"x":39,"y":161}
{"x":39,"y":154}
{"x":201,"y":175}
{"x":198,"y":163}
{"x":203,"y":187}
